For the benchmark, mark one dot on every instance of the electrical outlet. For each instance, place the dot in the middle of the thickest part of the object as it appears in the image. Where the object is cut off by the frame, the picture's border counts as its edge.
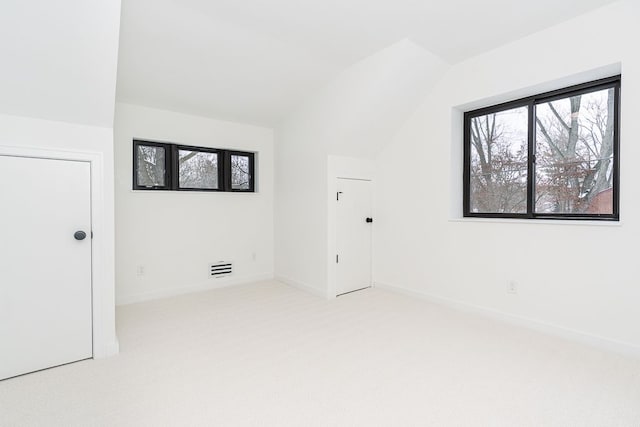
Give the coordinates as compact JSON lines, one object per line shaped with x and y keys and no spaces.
{"x":512,"y":287}
{"x":140,"y":270}
{"x":254,"y":256}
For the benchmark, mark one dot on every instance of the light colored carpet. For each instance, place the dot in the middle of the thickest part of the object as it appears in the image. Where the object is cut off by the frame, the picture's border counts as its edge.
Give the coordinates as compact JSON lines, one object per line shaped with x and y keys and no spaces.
{"x":268,"y":355}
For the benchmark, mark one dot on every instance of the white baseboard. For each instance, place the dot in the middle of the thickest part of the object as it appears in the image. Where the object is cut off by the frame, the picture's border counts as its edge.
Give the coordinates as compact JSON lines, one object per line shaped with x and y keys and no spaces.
{"x":199,"y":287}
{"x":540,"y":326}
{"x":107,"y":350}
{"x":302,"y":286}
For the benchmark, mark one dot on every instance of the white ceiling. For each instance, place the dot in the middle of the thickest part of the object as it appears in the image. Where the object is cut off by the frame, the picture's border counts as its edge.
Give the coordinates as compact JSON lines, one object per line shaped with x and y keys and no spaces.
{"x":255,"y":60}
{"x":58,"y":59}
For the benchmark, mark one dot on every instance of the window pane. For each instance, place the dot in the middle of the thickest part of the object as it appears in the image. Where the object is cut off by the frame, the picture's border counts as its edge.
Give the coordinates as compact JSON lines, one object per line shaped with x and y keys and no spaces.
{"x":240,"y":172}
{"x":574,"y":154}
{"x":499,"y":162}
{"x":198,"y":169}
{"x":151,"y":166}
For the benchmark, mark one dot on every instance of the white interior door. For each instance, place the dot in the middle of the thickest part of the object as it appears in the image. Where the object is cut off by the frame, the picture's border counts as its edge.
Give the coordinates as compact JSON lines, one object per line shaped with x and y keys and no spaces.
{"x":354,"y":235}
{"x":45,"y":271}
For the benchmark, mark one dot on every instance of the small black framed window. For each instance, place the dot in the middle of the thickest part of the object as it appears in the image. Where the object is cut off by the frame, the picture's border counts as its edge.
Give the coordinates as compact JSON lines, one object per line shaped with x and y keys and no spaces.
{"x":152,"y":162}
{"x":553,"y":155}
{"x":241,"y":171}
{"x":199,"y":169}
{"x":165,"y":166}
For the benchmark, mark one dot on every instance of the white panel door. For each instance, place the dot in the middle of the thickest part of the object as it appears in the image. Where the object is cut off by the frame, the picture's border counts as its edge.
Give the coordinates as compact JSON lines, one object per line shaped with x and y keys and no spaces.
{"x":45,"y":271}
{"x":353,"y":270}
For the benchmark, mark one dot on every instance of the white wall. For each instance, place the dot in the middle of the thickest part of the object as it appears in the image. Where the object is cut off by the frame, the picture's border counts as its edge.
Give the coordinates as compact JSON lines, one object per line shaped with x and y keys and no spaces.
{"x":579,"y":277}
{"x":355,"y":115}
{"x":42,"y":137}
{"x":175,"y":235}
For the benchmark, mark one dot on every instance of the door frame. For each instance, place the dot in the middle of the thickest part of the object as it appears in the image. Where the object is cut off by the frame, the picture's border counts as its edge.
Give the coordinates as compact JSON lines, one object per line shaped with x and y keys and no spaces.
{"x":349,"y":168}
{"x":99,"y":275}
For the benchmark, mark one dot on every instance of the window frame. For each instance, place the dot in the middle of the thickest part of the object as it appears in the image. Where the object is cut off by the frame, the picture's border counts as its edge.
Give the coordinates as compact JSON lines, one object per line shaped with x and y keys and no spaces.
{"x":172,"y":167}
{"x":168,"y":153}
{"x":531,"y":102}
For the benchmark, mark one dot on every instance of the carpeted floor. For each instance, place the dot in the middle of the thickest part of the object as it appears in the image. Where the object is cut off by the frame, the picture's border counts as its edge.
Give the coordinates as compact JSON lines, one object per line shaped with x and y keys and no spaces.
{"x":269,"y":355}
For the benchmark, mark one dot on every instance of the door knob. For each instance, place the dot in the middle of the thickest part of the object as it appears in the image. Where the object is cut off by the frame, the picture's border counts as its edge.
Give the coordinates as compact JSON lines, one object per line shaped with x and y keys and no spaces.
{"x":79,"y":235}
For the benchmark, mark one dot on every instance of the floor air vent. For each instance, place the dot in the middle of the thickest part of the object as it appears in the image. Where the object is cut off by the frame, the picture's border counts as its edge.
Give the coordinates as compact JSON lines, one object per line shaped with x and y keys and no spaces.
{"x":220,"y":269}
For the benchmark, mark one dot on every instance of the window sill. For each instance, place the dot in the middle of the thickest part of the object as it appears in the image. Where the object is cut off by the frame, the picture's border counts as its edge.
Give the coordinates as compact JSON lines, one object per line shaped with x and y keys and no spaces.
{"x":563,"y":222}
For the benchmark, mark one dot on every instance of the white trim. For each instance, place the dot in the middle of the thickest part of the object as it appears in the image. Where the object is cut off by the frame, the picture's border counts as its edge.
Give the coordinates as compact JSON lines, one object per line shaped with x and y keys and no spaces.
{"x":207,"y":285}
{"x":103,"y":342}
{"x":540,"y":326}
{"x":563,"y":222}
{"x":303,"y":287}
{"x":354,"y":179}
{"x":109,"y":349}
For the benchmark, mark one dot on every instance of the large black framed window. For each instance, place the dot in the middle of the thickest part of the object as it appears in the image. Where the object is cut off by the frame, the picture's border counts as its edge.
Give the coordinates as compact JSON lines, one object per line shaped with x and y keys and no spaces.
{"x":165,"y":166}
{"x":553,"y":155}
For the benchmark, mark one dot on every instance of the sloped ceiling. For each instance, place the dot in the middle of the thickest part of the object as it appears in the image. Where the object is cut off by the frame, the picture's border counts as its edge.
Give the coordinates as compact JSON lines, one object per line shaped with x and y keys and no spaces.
{"x":358,"y":113}
{"x":177,"y":58}
{"x":59,"y":59}
{"x":256,"y":61}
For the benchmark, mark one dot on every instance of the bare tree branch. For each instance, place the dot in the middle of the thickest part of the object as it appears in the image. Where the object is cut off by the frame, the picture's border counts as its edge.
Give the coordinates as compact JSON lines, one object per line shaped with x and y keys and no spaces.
{"x":550,"y":140}
{"x":558,"y":116}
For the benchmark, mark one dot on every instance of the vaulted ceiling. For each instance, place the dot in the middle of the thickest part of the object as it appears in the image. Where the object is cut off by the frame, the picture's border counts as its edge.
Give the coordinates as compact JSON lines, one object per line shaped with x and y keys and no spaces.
{"x":58,"y":59}
{"x":255,"y":60}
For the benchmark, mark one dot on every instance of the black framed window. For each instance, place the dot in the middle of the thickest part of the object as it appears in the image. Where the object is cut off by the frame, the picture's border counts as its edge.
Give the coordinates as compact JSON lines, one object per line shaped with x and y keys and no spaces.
{"x":198,"y":169}
{"x":241,"y":171}
{"x":152,"y":162}
{"x":164,"y":166}
{"x":553,"y":155}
